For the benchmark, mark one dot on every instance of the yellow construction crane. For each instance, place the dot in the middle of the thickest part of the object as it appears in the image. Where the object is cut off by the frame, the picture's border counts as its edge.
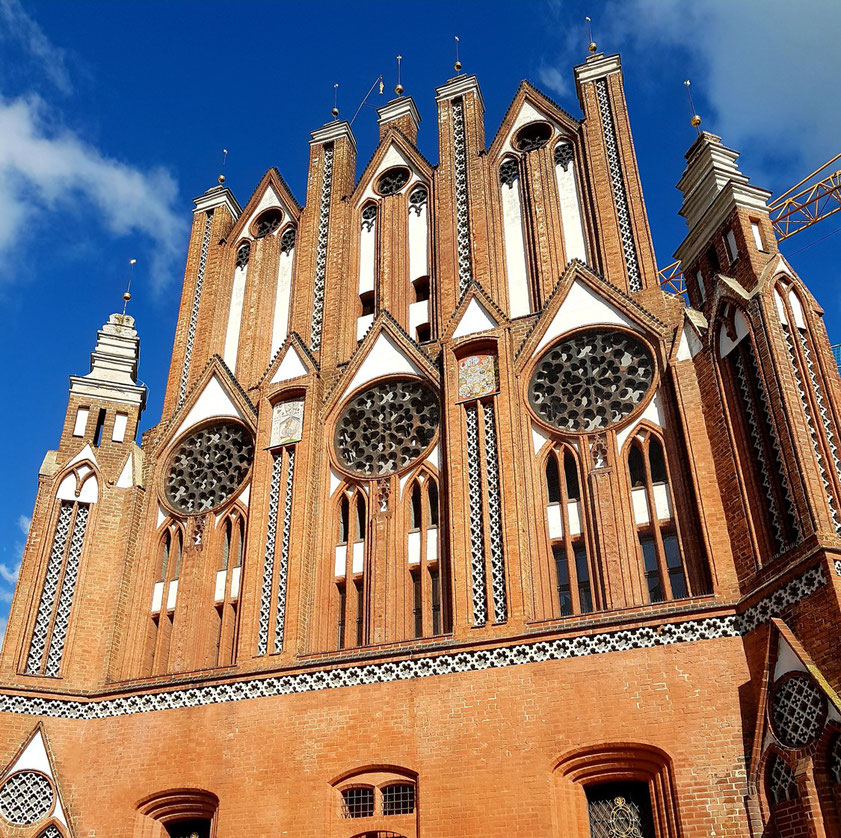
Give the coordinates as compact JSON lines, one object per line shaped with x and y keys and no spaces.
{"x":813,"y":199}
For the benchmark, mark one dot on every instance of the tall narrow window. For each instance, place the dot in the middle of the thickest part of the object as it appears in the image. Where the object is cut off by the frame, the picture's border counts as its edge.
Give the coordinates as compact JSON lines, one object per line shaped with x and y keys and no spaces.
{"x":516,"y":261}
{"x":424,"y":556}
{"x":565,"y":518}
{"x":654,"y":515}
{"x":349,"y":595}
{"x":227,"y":586}
{"x":164,"y":598}
{"x":367,"y":267}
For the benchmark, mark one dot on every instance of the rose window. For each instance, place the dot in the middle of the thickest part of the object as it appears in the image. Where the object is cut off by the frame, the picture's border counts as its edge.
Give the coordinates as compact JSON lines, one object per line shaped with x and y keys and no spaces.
{"x":25,"y":798}
{"x":591,"y":380}
{"x":533,"y":136}
{"x":798,"y":711}
{"x":208,"y":466}
{"x":387,"y":427}
{"x":393,"y":180}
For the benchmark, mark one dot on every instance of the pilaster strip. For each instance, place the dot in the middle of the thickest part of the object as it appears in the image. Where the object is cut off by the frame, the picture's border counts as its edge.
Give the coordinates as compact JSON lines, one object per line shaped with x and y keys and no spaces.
{"x":465,"y":266}
{"x":268,"y":558}
{"x":498,"y":588}
{"x":477,"y":530}
{"x":283,"y":565}
{"x":321,"y":249}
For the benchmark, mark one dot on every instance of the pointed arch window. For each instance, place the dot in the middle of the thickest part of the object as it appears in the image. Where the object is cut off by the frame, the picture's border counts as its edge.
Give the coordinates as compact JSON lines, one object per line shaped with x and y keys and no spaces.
{"x":164,"y":597}
{"x":230,"y":537}
{"x":424,"y":556}
{"x":368,"y":268}
{"x":514,"y":236}
{"x":566,"y":523}
{"x":572,"y":221}
{"x":349,"y":606}
{"x":654,"y":515}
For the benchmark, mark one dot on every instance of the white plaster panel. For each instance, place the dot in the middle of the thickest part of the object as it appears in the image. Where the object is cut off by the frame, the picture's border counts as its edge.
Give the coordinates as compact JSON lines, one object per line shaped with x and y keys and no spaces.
{"x":33,"y":758}
{"x":367,"y":258}
{"x":757,"y":235}
{"x":358,"y":557}
{"x":213,"y":401}
{"x":583,"y":307}
{"x":290,"y":367}
{"x":280,"y":323}
{"x":126,"y":478}
{"x":235,"y":318}
{"x":653,"y":413}
{"x":81,"y":422}
{"x":554,"y":520}
{"x":515,"y":251}
{"x":414,"y":547}
{"x":162,"y":516}
{"x":689,"y":345}
{"x":475,"y":319}
{"x":363,"y":324}
{"x":574,"y":516}
{"x":528,"y":113}
{"x":418,"y":315}
{"x":157,"y":597}
{"x":787,"y":660}
{"x":172,"y":595}
{"x":781,"y":309}
{"x":432,"y":544}
{"x":335,"y":481}
{"x":393,"y":157}
{"x":725,"y":344}
{"x":573,"y":228}
{"x":418,"y":243}
{"x":640,"y":503}
{"x":662,"y":502}
{"x":797,"y":310}
{"x":384,"y":358}
{"x":538,"y":437}
{"x":120,"y":424}
{"x":235,"y":579}
{"x":434,"y":456}
{"x":699,"y":279}
{"x":270,"y":199}
{"x":340,"y":560}
{"x":219,"y":591}
{"x":85,"y":454}
{"x":245,"y":496}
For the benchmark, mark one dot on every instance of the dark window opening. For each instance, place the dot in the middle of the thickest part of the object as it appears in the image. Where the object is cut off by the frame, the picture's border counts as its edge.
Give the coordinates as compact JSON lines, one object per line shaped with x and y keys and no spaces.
{"x":712,"y":259}
{"x":399,"y":799}
{"x":636,"y":466}
{"x":189,"y":829}
{"x":433,"y":504}
{"x":423,"y":333}
{"x":360,"y":613}
{"x":674,"y":564}
{"x":533,"y":136}
{"x":620,"y":809}
{"x":657,"y":461}
{"x":340,"y":628}
{"x":553,"y":482}
{"x":421,"y":286}
{"x":344,"y":519}
{"x":435,"y":579}
{"x":582,"y":571}
{"x":417,"y":610}
{"x":358,"y":803}
{"x":268,"y":222}
{"x":652,"y":569}
{"x":100,"y":424}
{"x":417,"y":515}
{"x":571,"y":476}
{"x":562,"y":571}
{"x":360,"y":518}
{"x":366,"y":299}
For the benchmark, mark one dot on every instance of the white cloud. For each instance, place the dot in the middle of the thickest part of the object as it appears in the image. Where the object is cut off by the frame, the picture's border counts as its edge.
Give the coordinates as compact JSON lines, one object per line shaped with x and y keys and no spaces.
{"x":46,"y":167}
{"x":17,"y":26}
{"x":553,"y":79}
{"x":2,"y":628}
{"x":24,"y":523}
{"x":768,"y":68}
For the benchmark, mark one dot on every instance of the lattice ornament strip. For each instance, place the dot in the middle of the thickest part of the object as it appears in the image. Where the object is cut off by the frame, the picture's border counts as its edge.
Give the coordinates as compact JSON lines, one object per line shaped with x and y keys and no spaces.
{"x":268,"y":558}
{"x":68,"y":590}
{"x":283,"y":564}
{"x":38,"y":644}
{"x":321,"y":249}
{"x":498,"y":589}
{"x":194,"y":311}
{"x":617,"y":182}
{"x":477,"y":528}
{"x":465,"y":266}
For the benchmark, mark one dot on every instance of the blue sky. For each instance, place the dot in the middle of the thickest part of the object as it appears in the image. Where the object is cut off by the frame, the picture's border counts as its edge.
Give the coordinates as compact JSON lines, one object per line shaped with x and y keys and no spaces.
{"x":113,"y":116}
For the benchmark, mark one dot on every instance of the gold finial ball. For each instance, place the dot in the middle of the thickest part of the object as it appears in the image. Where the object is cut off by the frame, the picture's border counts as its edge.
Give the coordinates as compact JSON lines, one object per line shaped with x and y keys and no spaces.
{"x":221,"y":179}
{"x":399,"y":89}
{"x":127,"y":296}
{"x":457,"y":66}
{"x":335,"y":111}
{"x":592,"y":47}
{"x":695,"y":121}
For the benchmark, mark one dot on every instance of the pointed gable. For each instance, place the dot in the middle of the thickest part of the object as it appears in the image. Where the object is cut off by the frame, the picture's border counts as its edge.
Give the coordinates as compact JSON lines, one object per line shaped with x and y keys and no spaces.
{"x":272,"y":191}
{"x":394,"y":150}
{"x":476,"y":313}
{"x":293,"y":360}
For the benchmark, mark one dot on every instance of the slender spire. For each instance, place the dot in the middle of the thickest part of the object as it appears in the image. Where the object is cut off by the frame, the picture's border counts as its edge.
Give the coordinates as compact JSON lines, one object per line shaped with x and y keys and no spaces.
{"x":335,"y":110}
{"x":398,"y":89}
{"x":592,"y":47}
{"x":127,"y":293}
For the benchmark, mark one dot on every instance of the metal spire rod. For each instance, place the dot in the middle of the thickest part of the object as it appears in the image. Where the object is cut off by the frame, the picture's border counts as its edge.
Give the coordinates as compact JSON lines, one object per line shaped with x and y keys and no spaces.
{"x":377,"y":80}
{"x":127,"y":294}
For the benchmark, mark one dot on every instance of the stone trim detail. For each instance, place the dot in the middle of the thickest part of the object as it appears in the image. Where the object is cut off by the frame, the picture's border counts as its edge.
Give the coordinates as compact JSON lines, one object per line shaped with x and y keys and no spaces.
{"x":643,"y":637}
{"x":617,"y":182}
{"x":477,"y":529}
{"x":498,"y":587}
{"x":321,"y":250}
{"x":194,"y":311}
{"x":283,"y":565}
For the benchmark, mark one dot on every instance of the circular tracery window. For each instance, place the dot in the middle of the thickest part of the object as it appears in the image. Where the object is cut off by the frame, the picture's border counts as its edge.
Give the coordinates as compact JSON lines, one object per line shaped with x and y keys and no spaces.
{"x":208,"y":466}
{"x":393,"y":180}
{"x":591,"y":380}
{"x":25,"y":797}
{"x":268,"y":222}
{"x":387,"y":427}
{"x":798,"y":711}
{"x":532,"y":136}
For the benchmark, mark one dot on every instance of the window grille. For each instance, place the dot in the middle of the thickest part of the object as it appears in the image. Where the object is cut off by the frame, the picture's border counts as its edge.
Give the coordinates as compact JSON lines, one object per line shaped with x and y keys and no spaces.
{"x":287,"y":240}
{"x":25,"y":797}
{"x":268,"y":222}
{"x":533,"y":136}
{"x":393,"y":180}
{"x":563,"y":155}
{"x":781,"y":784}
{"x":358,"y":803}
{"x":509,"y":172}
{"x":399,"y":799}
{"x":798,"y":710}
{"x":243,"y":255}
{"x":620,"y":810}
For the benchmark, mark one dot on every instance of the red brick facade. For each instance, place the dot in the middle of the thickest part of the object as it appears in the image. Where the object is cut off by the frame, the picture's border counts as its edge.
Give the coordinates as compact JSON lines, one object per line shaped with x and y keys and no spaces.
{"x":454,"y":523}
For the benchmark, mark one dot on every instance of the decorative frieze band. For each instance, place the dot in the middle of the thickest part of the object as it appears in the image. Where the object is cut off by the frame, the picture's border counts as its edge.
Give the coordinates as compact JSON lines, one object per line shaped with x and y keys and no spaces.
{"x":465,"y":267}
{"x":477,"y":526}
{"x":321,"y":249}
{"x":642,"y":637}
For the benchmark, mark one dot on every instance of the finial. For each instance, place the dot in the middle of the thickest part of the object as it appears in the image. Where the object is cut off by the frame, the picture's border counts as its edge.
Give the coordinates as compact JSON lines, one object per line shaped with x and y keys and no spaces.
{"x":221,"y":177}
{"x":127,"y":294}
{"x":592,"y":46}
{"x":695,"y":121}
{"x":335,"y":101}
{"x":457,"y":65}
{"x":398,"y":89}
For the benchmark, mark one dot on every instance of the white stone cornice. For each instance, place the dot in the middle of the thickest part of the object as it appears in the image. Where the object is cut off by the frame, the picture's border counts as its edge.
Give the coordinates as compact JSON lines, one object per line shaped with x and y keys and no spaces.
{"x":218,"y":196}
{"x":403,"y":106}
{"x":459,"y":86}
{"x":332,"y":131}
{"x":597,"y":67}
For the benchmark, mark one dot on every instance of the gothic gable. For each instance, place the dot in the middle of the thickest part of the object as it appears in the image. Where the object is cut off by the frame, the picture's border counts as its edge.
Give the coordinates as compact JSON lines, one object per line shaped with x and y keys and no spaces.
{"x":271,"y":192}
{"x":476,"y":313}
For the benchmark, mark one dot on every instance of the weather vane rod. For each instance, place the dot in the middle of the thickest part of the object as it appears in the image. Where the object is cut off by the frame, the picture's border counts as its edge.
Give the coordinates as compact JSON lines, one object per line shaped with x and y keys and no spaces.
{"x":398,"y":88}
{"x":592,"y":45}
{"x":221,"y":177}
{"x":335,"y":101}
{"x":695,"y":121}
{"x":127,"y":294}
{"x":457,"y":65}
{"x":377,"y":81}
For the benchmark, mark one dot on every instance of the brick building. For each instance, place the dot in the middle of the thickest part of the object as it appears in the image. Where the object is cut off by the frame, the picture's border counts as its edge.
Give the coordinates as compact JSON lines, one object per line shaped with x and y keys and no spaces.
{"x":454,"y":523}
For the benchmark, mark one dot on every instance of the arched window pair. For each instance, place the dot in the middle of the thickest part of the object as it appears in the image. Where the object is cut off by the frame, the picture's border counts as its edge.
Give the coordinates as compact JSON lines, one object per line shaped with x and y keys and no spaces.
{"x":424,"y":556}
{"x":566,"y":521}
{"x":349,"y":605}
{"x":164,"y":597}
{"x":227,"y":585}
{"x":653,"y":508}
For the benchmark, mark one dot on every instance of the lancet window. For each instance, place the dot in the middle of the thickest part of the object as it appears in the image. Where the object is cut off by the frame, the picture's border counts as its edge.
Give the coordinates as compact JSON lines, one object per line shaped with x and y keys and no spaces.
{"x":164,"y":596}
{"x":566,"y":518}
{"x":653,"y":509}
{"x":349,"y":605}
{"x":230,"y":537}
{"x":515,"y":239}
